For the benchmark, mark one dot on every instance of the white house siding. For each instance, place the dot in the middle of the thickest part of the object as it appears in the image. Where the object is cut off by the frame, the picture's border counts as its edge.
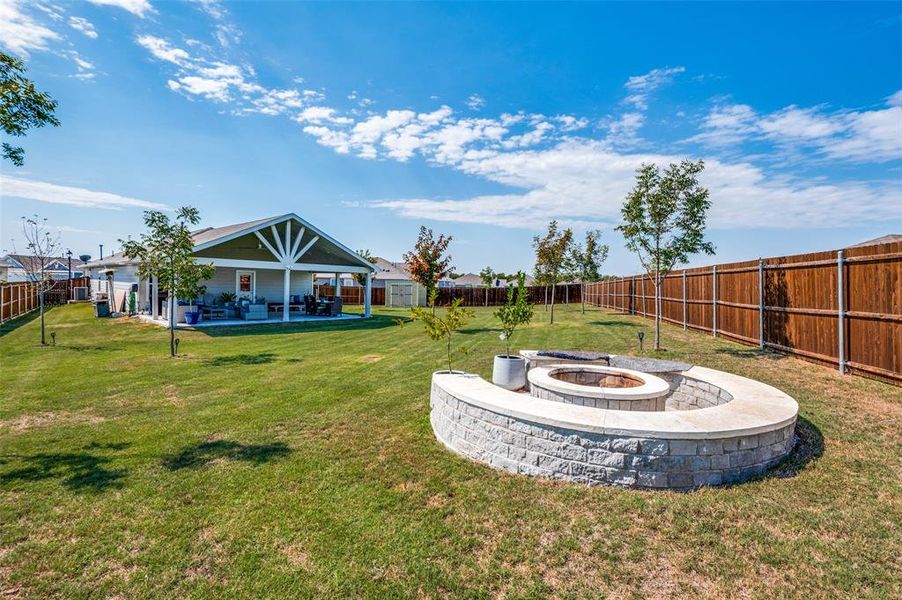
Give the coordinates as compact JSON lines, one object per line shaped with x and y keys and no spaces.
{"x":270,"y":283}
{"x":123,"y":279}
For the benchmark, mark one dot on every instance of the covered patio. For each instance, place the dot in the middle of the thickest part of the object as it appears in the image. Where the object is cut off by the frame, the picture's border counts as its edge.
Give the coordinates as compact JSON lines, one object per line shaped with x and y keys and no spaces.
{"x":272,"y":319}
{"x":264,"y":274}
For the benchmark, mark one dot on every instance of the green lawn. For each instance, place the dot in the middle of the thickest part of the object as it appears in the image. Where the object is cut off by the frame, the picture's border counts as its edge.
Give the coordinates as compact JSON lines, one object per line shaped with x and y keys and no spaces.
{"x":299,"y":461}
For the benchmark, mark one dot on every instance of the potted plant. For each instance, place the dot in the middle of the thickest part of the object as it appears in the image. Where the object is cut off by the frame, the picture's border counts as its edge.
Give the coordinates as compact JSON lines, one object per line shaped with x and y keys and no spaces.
{"x":443,"y":328}
{"x":509,"y":371}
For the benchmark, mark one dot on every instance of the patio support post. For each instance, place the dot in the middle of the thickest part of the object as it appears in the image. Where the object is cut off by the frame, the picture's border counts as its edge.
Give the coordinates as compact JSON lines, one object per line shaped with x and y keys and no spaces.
{"x":338,"y":285}
{"x":285,"y":294}
{"x":368,"y":294}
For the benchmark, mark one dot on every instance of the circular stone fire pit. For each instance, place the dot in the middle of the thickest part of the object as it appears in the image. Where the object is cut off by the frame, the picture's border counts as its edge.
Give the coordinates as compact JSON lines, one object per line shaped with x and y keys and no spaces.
{"x":717,"y":427}
{"x":599,"y":387}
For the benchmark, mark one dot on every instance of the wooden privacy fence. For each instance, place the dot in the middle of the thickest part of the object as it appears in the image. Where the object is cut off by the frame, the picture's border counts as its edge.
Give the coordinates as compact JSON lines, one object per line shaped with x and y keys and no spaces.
{"x":21,"y":297}
{"x":565,"y":294}
{"x":354,"y":294}
{"x":840,"y":307}
{"x":538,"y":294}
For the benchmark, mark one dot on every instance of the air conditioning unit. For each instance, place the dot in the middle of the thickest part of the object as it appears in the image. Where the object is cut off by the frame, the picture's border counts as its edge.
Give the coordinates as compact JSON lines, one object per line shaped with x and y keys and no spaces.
{"x":80,"y":293}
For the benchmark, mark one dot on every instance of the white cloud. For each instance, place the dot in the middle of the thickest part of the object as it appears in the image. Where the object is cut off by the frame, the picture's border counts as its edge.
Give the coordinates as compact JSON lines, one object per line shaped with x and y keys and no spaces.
{"x":136,"y":7}
{"x":624,"y":131}
{"x":163,"y":50}
{"x":84,"y":26}
{"x":858,"y":136}
{"x":895,"y":99}
{"x":476,"y":102}
{"x":584,"y":182}
{"x":50,"y":11}
{"x":793,"y":122}
{"x":41,"y":191}
{"x":641,"y":86}
{"x":320,"y":114}
{"x":19,"y":32}
{"x":873,"y":136}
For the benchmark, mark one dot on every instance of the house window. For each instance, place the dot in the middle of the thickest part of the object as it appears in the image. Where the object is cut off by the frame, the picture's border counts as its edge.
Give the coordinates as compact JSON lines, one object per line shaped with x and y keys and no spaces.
{"x":245,"y":283}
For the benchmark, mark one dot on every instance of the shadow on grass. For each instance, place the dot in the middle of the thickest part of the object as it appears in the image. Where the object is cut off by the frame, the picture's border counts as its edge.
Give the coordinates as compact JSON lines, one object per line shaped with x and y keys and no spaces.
{"x":77,"y":471}
{"x":25,"y":319}
{"x":241,"y":359}
{"x":358,"y":324}
{"x":202,"y":454}
{"x":615,"y":323}
{"x":750,"y":353}
{"x":474,"y":330}
{"x":809,"y":446}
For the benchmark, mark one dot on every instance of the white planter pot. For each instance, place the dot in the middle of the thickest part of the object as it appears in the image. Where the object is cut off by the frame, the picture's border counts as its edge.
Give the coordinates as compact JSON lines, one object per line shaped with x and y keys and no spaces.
{"x":509,"y":372}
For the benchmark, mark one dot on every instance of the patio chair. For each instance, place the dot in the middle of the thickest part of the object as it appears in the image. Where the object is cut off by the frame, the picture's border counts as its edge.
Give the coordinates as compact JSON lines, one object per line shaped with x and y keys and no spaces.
{"x":335,"y":307}
{"x":309,"y":305}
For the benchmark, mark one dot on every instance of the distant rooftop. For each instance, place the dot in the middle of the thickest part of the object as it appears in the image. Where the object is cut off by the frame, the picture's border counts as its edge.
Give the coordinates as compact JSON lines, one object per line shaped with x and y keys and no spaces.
{"x":886,"y":239}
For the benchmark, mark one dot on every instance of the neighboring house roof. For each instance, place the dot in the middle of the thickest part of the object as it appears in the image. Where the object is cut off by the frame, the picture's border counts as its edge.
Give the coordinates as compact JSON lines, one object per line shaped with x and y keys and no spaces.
{"x":469,"y":279}
{"x":32,"y":263}
{"x":886,"y":239}
{"x":213,"y":236}
{"x":391,"y":270}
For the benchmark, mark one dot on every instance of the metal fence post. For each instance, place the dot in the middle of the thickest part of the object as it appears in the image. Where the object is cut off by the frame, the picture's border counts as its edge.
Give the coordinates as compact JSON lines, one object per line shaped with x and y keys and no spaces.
{"x":685,"y":321}
{"x":714,"y":304}
{"x":841,"y":312}
{"x":761,"y":303}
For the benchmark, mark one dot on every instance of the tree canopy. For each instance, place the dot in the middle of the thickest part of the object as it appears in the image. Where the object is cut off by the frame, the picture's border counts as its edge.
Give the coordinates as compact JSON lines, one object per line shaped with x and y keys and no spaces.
{"x":165,"y":251}
{"x":664,"y":221}
{"x":587,"y":258}
{"x":427,"y":262}
{"x":22,"y":106}
{"x":554,"y":251}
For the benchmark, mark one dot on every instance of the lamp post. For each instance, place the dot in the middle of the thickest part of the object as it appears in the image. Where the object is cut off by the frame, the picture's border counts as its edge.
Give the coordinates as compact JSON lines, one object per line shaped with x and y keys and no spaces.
{"x":68,"y":281}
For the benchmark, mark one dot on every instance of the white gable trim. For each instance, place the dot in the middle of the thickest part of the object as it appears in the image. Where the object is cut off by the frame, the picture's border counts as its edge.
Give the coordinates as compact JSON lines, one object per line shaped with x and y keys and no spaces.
{"x":277,"y":220}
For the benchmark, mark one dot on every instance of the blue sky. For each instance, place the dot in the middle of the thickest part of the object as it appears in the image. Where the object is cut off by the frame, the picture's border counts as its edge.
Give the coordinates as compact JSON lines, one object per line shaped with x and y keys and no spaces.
{"x":484,"y":121}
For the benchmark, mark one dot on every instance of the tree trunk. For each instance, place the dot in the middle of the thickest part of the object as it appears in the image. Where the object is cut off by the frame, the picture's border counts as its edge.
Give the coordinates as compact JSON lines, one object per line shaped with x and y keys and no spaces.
{"x":657,"y":313}
{"x":449,"y":354}
{"x":582,"y":296}
{"x":43,"y":337}
{"x":546,"y":298}
{"x":552,"y":304}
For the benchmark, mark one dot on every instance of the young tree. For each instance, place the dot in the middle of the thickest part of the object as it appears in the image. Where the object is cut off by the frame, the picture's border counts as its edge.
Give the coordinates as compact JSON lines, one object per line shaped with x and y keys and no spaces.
{"x":165,"y":252}
{"x":664,"y":222}
{"x":22,"y":107}
{"x":517,"y":311}
{"x":587,"y":259}
{"x":488,"y":276}
{"x":553,"y":258}
{"x":439,"y":328}
{"x":427,"y":262}
{"x":42,"y":247}
{"x":360,"y":278}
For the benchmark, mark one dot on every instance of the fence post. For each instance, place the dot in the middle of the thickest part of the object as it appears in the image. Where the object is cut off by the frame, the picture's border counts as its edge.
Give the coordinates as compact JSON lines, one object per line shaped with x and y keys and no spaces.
{"x":714,"y":304}
{"x":761,"y":303}
{"x":841,"y":312}
{"x":685,"y":313}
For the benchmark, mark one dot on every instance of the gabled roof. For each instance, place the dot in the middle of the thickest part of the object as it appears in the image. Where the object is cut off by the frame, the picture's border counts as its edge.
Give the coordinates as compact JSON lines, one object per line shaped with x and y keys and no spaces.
{"x":23,"y":261}
{"x":391,"y":270}
{"x":212,"y":236}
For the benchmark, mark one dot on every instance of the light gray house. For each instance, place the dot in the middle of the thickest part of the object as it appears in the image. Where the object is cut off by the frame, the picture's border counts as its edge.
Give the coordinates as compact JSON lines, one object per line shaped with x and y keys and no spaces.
{"x":16,"y":267}
{"x":271,"y":261}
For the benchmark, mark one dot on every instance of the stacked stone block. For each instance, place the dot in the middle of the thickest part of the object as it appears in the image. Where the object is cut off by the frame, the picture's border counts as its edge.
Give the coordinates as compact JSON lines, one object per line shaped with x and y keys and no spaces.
{"x":529,"y":448}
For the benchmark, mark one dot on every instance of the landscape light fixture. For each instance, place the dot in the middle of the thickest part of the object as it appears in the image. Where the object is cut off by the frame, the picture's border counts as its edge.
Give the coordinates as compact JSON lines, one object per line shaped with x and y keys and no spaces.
{"x":641,"y":340}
